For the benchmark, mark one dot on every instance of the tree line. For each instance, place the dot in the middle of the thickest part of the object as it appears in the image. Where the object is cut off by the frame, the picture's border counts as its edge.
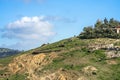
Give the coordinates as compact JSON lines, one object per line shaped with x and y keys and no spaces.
{"x":101,"y":29}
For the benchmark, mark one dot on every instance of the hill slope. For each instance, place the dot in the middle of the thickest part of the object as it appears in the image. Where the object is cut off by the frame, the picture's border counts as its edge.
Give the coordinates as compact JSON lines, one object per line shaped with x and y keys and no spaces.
{"x":69,"y":59}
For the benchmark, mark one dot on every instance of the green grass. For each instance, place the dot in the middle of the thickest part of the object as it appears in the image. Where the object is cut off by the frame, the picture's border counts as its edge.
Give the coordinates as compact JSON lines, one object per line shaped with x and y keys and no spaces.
{"x":69,"y":61}
{"x":112,"y":74}
{"x":6,"y":60}
{"x":15,"y":77}
{"x":117,"y":44}
{"x":75,"y":56}
{"x":68,"y":44}
{"x":81,"y":57}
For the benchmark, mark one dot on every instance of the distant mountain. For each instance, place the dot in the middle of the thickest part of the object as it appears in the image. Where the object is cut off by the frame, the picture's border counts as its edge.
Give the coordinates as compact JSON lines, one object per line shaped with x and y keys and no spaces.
{"x":4,"y":52}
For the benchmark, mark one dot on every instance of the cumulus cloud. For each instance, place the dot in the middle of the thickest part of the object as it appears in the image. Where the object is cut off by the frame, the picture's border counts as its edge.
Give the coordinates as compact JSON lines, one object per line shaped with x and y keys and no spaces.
{"x":29,"y":30}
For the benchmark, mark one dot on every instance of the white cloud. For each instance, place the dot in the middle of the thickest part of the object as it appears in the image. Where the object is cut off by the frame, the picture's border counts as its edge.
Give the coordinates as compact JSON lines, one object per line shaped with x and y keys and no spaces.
{"x":29,"y":30}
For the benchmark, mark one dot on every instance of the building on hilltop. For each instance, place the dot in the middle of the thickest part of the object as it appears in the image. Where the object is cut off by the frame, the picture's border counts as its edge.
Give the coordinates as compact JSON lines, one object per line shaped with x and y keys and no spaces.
{"x":117,"y":29}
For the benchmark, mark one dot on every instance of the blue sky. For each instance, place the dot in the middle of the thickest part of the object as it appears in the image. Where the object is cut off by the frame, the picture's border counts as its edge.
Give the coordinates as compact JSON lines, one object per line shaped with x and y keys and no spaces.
{"x":26,"y":24}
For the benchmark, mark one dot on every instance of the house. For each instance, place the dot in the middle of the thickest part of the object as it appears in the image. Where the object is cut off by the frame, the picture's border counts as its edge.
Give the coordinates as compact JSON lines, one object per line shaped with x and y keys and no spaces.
{"x":117,"y":29}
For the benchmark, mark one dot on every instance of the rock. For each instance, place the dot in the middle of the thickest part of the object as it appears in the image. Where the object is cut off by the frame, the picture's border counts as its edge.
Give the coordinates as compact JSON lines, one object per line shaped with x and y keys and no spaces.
{"x":54,"y":76}
{"x":30,"y":64}
{"x":90,"y":70}
{"x":111,"y":62}
{"x":82,"y":78}
{"x":112,"y":54}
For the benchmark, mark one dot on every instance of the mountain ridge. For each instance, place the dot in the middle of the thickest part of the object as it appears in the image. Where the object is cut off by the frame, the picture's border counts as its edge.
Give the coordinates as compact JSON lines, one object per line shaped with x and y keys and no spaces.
{"x":5,"y":52}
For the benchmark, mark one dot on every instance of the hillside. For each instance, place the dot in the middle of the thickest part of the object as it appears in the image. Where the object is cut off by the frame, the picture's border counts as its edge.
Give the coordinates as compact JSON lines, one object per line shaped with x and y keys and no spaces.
{"x":68,"y":59}
{"x":4,"y":52}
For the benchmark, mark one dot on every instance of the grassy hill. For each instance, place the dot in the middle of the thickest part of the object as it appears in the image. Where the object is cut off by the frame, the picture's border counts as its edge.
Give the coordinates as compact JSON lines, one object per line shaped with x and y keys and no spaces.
{"x":68,"y":59}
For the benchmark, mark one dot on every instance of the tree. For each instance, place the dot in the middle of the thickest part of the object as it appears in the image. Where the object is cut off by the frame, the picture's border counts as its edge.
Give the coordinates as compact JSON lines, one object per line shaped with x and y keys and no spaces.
{"x":111,"y":20}
{"x":114,"y":23}
{"x":105,"y":21}
{"x":88,"y":33}
{"x":101,"y":30}
{"x":98,"y":23}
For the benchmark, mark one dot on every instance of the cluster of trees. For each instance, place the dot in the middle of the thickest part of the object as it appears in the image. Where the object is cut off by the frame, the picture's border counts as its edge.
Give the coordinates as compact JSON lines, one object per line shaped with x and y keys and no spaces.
{"x":101,"y":29}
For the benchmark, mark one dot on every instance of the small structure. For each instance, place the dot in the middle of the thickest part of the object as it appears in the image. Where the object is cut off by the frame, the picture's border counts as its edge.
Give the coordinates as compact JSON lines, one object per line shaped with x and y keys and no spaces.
{"x":118,"y":29}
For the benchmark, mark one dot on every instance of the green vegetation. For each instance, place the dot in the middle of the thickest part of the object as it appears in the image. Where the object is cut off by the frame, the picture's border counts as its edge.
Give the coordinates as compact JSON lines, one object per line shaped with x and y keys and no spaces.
{"x":101,"y":29}
{"x":65,"y":44}
{"x":76,"y":55}
{"x":79,"y":55}
{"x":112,"y":74}
{"x":6,"y":60}
{"x":15,"y":77}
{"x":72,"y":60}
{"x":67,"y":61}
{"x":117,"y":44}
